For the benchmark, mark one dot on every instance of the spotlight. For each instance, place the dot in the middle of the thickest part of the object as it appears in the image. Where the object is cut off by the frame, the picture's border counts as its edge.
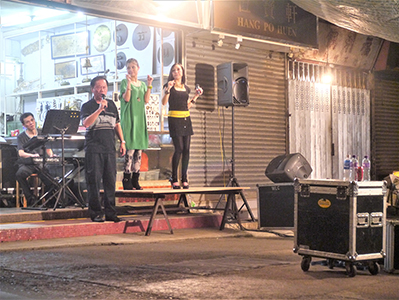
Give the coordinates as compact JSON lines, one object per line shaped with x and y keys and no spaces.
{"x":239,"y":40}
{"x":220,"y":41}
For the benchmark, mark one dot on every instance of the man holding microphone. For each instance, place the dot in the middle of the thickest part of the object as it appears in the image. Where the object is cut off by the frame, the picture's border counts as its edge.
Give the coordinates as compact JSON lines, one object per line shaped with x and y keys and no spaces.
{"x":101,"y":119}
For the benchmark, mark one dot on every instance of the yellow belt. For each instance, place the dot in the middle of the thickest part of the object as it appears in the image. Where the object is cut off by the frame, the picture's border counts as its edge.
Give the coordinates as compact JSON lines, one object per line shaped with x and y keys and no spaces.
{"x":178,"y":114}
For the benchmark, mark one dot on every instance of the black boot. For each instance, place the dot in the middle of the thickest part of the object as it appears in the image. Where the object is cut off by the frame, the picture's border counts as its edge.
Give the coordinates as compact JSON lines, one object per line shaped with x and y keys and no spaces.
{"x":135,"y":181}
{"x":126,"y":182}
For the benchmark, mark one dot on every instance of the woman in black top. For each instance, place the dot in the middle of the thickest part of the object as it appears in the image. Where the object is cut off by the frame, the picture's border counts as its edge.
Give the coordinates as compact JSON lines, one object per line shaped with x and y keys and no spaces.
{"x":177,"y":93}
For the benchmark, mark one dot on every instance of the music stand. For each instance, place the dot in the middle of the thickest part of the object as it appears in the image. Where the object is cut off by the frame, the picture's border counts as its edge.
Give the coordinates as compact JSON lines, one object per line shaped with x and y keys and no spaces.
{"x":62,"y":122}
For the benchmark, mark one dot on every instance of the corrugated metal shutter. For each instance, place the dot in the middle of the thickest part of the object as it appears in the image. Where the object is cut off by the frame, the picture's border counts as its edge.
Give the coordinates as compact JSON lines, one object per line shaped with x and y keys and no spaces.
{"x":259,"y":129}
{"x":385,"y":130}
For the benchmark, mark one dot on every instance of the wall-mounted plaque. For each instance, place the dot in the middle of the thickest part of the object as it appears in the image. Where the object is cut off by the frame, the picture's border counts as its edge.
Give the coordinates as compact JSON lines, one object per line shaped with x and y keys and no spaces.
{"x":97,"y":64}
{"x":102,"y":38}
{"x":71,"y":44}
{"x":168,"y":54}
{"x":120,"y":60}
{"x":141,"y":37}
{"x":121,"y":34}
{"x":65,"y":69}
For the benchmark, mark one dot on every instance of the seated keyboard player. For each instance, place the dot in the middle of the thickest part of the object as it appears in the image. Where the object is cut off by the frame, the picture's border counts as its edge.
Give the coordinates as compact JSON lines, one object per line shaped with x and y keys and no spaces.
{"x":25,"y":170}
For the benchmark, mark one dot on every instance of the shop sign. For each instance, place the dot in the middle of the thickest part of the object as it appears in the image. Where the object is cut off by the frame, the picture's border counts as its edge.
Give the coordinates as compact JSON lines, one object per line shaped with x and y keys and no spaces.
{"x":62,"y":1}
{"x":275,"y":20}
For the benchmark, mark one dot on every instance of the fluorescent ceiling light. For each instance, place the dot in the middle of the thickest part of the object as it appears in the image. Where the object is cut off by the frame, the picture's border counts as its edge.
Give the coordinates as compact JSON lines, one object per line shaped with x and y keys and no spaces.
{"x":24,"y":17}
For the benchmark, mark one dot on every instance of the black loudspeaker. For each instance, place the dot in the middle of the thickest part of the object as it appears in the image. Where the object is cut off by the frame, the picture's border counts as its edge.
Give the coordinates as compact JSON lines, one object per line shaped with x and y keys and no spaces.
{"x":8,"y":157}
{"x":205,"y":78}
{"x":276,"y":205}
{"x":396,"y":248}
{"x":233,"y":86}
{"x":285,"y":168}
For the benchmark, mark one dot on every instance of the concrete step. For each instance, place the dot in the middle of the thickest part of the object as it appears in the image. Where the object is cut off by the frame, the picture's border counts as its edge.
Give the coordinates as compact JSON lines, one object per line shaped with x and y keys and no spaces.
{"x":79,"y":227}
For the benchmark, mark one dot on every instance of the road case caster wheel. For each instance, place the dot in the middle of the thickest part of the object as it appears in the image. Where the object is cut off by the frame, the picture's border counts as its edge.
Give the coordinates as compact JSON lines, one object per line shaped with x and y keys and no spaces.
{"x":374,"y":268}
{"x":305,"y":263}
{"x":351,"y":269}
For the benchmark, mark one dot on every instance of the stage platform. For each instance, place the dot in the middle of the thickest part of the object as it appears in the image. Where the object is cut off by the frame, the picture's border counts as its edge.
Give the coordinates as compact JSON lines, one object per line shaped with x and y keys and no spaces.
{"x":18,"y":224}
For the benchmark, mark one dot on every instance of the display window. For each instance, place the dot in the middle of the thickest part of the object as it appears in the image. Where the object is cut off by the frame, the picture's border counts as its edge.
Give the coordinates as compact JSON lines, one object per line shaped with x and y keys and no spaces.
{"x":49,"y":56}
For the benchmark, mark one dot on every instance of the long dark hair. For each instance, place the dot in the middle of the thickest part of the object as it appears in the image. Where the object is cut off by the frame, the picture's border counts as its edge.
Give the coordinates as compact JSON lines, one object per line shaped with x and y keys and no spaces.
{"x":183,"y":78}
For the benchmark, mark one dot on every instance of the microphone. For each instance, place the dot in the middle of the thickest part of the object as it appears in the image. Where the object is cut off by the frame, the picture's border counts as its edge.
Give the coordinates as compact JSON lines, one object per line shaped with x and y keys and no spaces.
{"x":114,"y":96}
{"x":197,"y":91}
{"x":105,"y":97}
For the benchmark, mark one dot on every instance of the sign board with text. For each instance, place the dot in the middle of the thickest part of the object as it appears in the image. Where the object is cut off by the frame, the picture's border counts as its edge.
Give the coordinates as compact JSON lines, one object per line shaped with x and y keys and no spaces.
{"x":274,"y":20}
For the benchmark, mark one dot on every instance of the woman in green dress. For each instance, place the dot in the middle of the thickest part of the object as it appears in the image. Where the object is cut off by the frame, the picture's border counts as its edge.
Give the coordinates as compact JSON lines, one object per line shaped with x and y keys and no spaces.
{"x":134,"y":94}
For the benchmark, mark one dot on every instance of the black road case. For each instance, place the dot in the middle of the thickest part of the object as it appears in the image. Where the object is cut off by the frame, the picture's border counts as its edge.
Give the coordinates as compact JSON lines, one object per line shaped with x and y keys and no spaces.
{"x":341,"y":221}
{"x":391,"y":261}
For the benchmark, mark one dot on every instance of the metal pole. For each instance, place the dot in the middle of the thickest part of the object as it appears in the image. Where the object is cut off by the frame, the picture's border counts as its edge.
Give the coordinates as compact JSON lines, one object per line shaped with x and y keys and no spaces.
{"x":63,"y":164}
{"x":232,"y":144}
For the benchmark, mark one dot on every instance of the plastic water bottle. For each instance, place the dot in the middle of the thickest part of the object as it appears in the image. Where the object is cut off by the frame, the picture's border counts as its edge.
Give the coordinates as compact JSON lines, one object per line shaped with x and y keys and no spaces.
{"x":347,"y":168}
{"x":354,"y":167}
{"x":366,"y":168}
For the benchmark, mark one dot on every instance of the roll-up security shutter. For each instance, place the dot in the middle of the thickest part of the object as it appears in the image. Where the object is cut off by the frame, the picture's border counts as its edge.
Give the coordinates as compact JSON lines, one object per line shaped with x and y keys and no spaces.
{"x":385,"y":130}
{"x":259,"y":129}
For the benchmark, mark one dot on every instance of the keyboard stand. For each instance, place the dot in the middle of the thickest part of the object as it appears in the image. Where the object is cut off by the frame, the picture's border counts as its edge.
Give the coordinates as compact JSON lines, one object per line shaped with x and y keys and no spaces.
{"x":61,"y":121}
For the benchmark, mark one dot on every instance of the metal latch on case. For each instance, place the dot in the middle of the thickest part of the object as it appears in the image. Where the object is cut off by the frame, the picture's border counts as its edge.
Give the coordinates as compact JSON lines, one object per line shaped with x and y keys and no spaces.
{"x":362,"y":220}
{"x":341,"y":192}
{"x":305,"y":191}
{"x":376,"y":219}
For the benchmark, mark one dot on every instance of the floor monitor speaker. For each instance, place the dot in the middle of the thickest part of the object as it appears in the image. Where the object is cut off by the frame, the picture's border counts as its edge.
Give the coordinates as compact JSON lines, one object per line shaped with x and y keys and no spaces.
{"x":285,"y":168}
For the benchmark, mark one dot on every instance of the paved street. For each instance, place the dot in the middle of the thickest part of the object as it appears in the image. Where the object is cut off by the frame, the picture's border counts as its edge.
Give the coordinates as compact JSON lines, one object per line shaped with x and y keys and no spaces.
{"x":190,"y":264}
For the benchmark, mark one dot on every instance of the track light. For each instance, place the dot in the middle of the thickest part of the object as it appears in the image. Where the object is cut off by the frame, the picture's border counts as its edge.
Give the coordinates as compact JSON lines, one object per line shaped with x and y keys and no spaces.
{"x":220,"y":41}
{"x":239,"y":40}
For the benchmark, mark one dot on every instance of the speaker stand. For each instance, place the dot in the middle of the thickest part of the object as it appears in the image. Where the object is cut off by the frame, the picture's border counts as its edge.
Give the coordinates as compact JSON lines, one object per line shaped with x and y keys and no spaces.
{"x":233,"y":182}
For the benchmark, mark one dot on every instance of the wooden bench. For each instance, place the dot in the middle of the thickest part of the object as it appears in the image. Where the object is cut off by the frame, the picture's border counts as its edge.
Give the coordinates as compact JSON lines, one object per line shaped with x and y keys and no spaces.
{"x":159,"y":194}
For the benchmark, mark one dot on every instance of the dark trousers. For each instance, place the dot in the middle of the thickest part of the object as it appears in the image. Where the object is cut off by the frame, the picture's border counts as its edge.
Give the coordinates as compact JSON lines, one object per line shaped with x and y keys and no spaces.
{"x":23,"y":173}
{"x":101,"y":167}
{"x":182,"y":150}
